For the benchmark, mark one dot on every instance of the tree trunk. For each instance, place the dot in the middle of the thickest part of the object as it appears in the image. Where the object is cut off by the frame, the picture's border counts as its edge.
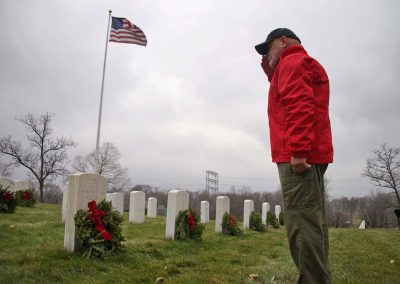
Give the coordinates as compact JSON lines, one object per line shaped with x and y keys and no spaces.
{"x":41,"y":185}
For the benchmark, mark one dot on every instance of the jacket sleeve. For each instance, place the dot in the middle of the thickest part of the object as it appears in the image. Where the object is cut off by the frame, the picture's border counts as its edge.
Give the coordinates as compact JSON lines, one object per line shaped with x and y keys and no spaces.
{"x":295,"y":87}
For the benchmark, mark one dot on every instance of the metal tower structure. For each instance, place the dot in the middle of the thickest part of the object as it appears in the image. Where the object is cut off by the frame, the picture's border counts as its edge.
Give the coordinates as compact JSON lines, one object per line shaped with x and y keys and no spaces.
{"x":211,"y":181}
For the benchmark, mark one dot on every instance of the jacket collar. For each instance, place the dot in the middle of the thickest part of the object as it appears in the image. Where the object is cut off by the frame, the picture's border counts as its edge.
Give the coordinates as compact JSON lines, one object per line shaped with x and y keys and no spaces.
{"x":297,"y":48}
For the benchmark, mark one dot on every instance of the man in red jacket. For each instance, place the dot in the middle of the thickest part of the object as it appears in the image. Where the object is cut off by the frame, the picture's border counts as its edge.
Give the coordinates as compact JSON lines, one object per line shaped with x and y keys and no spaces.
{"x":301,"y":145}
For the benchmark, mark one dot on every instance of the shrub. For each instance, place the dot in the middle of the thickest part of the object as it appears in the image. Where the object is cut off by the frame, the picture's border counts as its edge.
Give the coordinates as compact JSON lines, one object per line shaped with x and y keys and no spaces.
{"x":188,"y":226}
{"x":256,"y":222}
{"x":8,"y":202}
{"x":98,"y":230}
{"x":230,"y":225}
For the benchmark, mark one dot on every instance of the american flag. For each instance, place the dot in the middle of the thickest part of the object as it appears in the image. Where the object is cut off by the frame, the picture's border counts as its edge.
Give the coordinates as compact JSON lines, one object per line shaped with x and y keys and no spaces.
{"x":122,"y":30}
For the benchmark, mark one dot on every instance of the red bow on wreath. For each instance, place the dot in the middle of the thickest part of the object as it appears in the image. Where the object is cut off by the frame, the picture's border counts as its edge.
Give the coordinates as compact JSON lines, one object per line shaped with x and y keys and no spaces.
{"x":25,"y":195}
{"x":191,"y":221}
{"x":95,"y":215}
{"x":6,"y":196}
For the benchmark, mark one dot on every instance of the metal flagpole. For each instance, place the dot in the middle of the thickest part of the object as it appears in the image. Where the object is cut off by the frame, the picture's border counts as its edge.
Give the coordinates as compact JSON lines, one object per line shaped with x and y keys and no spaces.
{"x":101,"y":96}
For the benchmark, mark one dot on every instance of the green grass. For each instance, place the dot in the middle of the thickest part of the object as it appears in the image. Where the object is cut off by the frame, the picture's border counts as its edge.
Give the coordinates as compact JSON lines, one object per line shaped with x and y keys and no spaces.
{"x":31,"y":251}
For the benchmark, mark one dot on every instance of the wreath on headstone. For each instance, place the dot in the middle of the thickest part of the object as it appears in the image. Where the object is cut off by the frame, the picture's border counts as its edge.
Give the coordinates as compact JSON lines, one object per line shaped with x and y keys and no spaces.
{"x":230,"y":225}
{"x":188,"y":226}
{"x":25,"y":198}
{"x":256,"y":222}
{"x":272,"y":221}
{"x":98,"y":230}
{"x":8,"y":202}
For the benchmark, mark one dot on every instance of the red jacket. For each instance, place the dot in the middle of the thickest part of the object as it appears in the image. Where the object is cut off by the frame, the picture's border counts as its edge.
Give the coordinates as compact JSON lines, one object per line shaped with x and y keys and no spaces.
{"x":298,"y":109}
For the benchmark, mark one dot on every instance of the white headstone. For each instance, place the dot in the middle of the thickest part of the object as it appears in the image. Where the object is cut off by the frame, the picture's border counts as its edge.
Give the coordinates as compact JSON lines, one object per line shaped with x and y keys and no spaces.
{"x":82,"y":188}
{"x":248,"y":207}
{"x":7,"y":182}
{"x":64,"y":202}
{"x":22,"y":185}
{"x":117,"y":201}
{"x":177,"y":200}
{"x":264,"y":212}
{"x":204,"y":212}
{"x":277,"y":211}
{"x":362,"y":225}
{"x":137,"y":204}
{"x":222,"y":206}
{"x":152,"y":207}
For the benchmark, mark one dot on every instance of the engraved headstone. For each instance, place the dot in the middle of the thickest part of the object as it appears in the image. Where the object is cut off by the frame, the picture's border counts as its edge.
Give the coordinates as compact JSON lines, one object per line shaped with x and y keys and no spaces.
{"x":248,"y":207}
{"x":64,"y":202}
{"x":204,"y":212}
{"x":264,"y":212}
{"x":7,"y":183}
{"x":22,"y":185}
{"x":222,"y":206}
{"x":117,"y":201}
{"x":152,"y":207}
{"x":278,"y":210}
{"x":82,"y":188}
{"x":362,"y":225}
{"x":137,"y":204}
{"x":177,"y":200}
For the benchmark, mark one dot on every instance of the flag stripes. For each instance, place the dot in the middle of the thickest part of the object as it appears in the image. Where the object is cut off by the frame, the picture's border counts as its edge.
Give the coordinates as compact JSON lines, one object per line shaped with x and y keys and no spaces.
{"x":122,"y":30}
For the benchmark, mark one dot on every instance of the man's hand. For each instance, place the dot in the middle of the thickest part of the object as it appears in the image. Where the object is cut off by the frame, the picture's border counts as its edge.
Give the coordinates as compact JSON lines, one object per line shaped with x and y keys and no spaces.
{"x":299,"y":165}
{"x":267,"y":69}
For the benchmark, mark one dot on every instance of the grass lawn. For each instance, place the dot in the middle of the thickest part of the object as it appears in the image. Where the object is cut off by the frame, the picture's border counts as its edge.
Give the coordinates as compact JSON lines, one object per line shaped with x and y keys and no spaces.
{"x":31,"y":251}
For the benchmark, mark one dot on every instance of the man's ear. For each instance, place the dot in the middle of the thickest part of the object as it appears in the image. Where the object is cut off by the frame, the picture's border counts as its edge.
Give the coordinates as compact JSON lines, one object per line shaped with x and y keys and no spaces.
{"x":284,"y":41}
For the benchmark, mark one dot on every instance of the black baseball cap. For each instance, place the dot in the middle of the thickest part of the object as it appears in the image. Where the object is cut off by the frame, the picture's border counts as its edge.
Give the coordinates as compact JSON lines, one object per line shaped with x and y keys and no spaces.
{"x":278,"y":33}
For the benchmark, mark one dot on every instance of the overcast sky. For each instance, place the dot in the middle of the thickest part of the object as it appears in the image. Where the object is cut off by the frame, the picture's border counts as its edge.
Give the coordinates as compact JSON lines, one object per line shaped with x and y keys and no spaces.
{"x":196,"y":98}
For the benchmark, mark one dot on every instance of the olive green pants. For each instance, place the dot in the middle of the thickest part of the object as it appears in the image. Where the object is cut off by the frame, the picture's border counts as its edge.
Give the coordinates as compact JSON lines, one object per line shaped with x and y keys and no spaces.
{"x":305,"y":221}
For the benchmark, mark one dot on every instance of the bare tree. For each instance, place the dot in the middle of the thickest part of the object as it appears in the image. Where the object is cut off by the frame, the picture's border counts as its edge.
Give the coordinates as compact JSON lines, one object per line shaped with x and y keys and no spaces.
{"x":46,"y":156}
{"x":5,"y":169}
{"x":384,"y":169}
{"x":109,"y":166}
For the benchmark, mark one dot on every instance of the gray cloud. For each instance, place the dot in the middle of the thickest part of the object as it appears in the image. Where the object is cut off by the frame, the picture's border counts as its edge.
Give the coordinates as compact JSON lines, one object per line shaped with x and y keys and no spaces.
{"x":195,"y":98}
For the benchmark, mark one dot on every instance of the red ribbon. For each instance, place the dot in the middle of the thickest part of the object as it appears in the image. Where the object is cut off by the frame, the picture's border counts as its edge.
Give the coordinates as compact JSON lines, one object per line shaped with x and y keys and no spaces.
{"x":232,"y":221}
{"x":191,"y":221}
{"x":25,"y":195}
{"x":6,"y":196}
{"x":95,"y":215}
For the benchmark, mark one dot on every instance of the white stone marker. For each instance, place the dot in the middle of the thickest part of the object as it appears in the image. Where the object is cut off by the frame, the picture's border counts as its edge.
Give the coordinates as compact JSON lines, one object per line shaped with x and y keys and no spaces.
{"x":177,"y":200}
{"x":117,"y":201}
{"x":137,"y":204}
{"x":264,"y":212}
{"x":204,"y":212}
{"x":222,"y":206}
{"x":7,"y":182}
{"x":22,"y":185}
{"x":64,"y":202}
{"x":82,"y":189}
{"x":248,"y":207}
{"x":277,"y":211}
{"x":362,"y":225}
{"x":152,"y":207}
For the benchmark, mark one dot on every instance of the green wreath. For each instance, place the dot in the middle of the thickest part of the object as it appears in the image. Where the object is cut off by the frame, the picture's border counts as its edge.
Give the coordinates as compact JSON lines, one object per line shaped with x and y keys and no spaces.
{"x":256,"y":222}
{"x":8,"y":203}
{"x":230,"y":225}
{"x":25,"y":198}
{"x":98,"y":230}
{"x":188,"y":226}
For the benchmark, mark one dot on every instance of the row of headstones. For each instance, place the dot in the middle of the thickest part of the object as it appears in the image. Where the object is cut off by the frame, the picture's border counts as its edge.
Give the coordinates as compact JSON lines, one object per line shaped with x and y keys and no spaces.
{"x":83,"y":188}
{"x":14,"y":186}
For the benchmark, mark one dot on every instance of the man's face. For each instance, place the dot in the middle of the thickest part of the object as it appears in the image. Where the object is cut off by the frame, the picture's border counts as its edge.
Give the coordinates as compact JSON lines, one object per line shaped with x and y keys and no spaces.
{"x":275,"y":49}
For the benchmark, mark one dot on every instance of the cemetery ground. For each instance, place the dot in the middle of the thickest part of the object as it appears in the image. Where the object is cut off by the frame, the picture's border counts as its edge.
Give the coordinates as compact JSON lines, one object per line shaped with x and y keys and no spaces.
{"x":31,"y":251}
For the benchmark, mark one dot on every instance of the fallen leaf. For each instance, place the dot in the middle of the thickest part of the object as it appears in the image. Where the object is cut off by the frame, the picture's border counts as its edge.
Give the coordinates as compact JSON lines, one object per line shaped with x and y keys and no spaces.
{"x":12,"y":226}
{"x":253,"y":277}
{"x":391,"y":261}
